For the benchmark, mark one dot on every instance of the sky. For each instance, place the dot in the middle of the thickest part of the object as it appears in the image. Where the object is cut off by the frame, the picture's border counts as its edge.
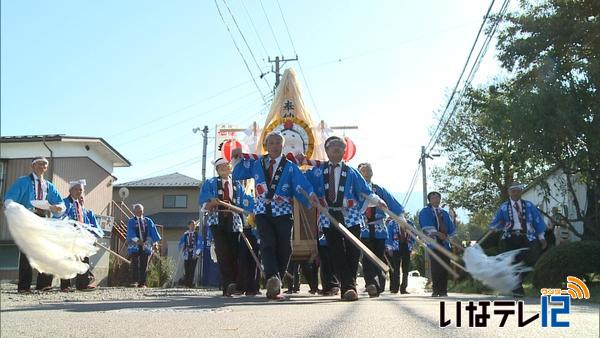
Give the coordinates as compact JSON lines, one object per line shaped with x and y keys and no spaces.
{"x":143,"y":74}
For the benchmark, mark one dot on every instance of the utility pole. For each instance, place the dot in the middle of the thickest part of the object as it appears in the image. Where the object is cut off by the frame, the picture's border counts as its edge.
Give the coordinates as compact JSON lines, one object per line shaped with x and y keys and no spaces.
{"x":278,"y":63}
{"x":204,"y":148}
{"x":200,"y":214}
{"x":424,"y":171}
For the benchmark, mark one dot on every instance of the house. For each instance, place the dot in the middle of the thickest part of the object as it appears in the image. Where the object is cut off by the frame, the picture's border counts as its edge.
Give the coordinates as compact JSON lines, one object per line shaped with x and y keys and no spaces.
{"x":169,"y":200}
{"x":551,"y":191}
{"x":71,"y":158}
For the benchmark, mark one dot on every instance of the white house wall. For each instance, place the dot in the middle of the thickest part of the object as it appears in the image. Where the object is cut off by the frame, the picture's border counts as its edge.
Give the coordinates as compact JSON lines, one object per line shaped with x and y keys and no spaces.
{"x":64,"y":148}
{"x":559,"y":197}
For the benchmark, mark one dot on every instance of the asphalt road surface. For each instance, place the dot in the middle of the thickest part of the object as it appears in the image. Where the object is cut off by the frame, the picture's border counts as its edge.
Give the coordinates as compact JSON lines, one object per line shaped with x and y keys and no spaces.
{"x":120,"y":312}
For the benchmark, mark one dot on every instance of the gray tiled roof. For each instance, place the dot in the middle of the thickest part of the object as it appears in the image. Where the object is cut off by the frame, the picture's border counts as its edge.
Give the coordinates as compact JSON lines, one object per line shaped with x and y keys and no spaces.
{"x":171,"y":180}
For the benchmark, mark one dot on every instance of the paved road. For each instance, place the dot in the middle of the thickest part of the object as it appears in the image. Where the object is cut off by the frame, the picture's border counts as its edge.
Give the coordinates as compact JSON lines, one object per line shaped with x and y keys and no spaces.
{"x":200,"y":313}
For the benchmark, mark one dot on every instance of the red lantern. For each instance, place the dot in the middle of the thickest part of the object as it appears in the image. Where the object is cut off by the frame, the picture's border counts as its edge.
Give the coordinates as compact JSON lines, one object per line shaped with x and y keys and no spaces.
{"x":228,"y":146}
{"x":350,"y":149}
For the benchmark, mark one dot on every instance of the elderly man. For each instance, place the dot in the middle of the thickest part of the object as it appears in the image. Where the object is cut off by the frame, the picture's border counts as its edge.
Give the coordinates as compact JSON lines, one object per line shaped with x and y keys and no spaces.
{"x":142,"y":235}
{"x":374,"y":232}
{"x":76,"y":211}
{"x":436,"y":223}
{"x":225,"y":226}
{"x":522,"y":227}
{"x":277,"y":181}
{"x":30,"y":188}
{"x":342,"y":190}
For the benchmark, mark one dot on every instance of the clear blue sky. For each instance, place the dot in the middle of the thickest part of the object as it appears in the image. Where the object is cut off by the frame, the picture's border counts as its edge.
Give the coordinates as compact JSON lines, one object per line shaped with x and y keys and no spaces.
{"x":142,"y":74}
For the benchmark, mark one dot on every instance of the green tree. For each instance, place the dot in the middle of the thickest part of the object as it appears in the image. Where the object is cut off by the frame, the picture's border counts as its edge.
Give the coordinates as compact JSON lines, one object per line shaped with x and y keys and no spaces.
{"x":483,"y":155}
{"x":553,"y":49}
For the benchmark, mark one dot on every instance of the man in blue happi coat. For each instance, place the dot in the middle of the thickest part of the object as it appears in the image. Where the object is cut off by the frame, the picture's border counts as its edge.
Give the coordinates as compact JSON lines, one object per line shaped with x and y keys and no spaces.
{"x":277,"y":182}
{"x":142,"y":237}
{"x":345,"y":193}
{"x":436,"y":223}
{"x":374,"y":232}
{"x":225,"y":225}
{"x":190,"y":247}
{"x":522,"y":227}
{"x":75,"y":210}
{"x":398,"y":247}
{"x":34,"y":187}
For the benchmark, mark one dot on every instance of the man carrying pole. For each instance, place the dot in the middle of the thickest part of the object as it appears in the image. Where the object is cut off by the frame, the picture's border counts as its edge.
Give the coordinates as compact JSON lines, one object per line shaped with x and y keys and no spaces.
{"x":277,"y":182}
{"x":436,"y":223}
{"x":340,"y":188}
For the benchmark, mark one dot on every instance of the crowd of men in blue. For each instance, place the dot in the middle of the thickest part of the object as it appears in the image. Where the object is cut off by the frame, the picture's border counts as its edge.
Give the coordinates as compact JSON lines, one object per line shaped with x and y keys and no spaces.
{"x":265,"y":228}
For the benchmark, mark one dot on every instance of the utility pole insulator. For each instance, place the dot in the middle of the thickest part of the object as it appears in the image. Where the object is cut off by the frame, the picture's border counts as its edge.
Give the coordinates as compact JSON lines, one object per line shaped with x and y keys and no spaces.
{"x":278,"y":63}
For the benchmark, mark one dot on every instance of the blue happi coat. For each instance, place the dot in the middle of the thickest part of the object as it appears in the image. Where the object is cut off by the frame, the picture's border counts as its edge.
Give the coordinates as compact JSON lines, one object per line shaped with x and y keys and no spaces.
{"x":291,"y":184}
{"x":23,"y":192}
{"x":428,"y":223}
{"x":533,"y":219}
{"x":381,"y":231}
{"x":88,"y":217}
{"x":353,"y":204}
{"x":393,"y":241}
{"x":150,"y":235}
{"x":211,"y":190}
{"x":195,"y":249}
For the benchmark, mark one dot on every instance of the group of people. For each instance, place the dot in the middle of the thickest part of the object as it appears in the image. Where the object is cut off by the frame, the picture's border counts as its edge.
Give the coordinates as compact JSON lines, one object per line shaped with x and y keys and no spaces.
{"x":247,"y":225}
{"x":34,"y":187}
{"x":343,"y":194}
{"x":347,"y":196}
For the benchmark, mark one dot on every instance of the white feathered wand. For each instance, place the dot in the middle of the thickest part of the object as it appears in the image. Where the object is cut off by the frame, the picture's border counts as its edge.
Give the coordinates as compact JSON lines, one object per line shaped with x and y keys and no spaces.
{"x":53,"y":246}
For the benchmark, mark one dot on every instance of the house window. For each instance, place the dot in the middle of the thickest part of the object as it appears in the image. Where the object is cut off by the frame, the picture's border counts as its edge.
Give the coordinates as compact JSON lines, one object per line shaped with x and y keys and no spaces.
{"x":9,"y":257}
{"x":174,"y":201}
{"x":2,"y":176}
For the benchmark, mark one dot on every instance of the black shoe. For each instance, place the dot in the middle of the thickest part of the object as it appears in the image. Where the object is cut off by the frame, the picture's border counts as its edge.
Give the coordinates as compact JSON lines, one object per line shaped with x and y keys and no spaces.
{"x":443,"y":294}
{"x":435,"y":294}
{"x":231,"y":289}
{"x":404,"y":292}
{"x":273,"y":286}
{"x":350,"y":296}
{"x":372,"y":291}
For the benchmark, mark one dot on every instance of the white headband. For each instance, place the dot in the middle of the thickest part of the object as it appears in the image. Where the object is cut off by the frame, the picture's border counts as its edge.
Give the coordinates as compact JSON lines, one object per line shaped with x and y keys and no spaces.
{"x":81,"y":182}
{"x":516,"y":186}
{"x":219,"y":161}
{"x":39,"y":159}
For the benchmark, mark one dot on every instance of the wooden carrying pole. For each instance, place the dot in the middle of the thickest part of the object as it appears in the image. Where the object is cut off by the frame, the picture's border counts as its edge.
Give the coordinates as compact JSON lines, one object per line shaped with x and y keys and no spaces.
{"x":351,"y":238}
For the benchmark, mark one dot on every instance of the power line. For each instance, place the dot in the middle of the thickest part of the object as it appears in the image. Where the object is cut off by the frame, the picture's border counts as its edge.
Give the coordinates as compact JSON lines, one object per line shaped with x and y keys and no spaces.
{"x":299,"y":64}
{"x":412,"y":184}
{"x":163,"y":128}
{"x":254,"y":28}
{"x":485,"y":18}
{"x":470,"y":76}
{"x":271,"y":27}
{"x":170,"y":115}
{"x":239,"y":51}
{"x":245,"y":42}
{"x":390,"y":45}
